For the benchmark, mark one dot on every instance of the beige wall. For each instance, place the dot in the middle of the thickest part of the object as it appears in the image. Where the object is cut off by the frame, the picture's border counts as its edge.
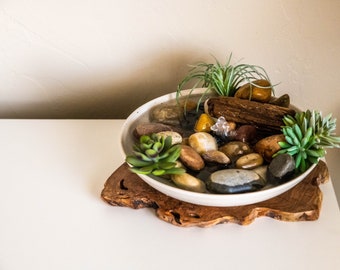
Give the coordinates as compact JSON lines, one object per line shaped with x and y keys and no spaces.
{"x":102,"y":59}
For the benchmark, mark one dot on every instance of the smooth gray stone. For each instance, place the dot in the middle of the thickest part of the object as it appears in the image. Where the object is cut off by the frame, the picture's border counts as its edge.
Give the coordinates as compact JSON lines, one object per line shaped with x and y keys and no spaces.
{"x":281,"y":168}
{"x":234,"y":181}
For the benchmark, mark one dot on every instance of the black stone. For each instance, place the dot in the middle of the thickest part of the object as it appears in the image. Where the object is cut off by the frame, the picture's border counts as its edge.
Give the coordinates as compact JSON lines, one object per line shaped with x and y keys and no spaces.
{"x":234,"y":181}
{"x":281,"y":169}
{"x":225,"y":189}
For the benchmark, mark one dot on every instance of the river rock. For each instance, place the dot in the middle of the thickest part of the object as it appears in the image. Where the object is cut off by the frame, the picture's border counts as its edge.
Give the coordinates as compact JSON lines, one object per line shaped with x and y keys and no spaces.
{"x":235,"y":149}
{"x":175,"y":136}
{"x":249,"y":161}
{"x":204,"y":123}
{"x":167,"y":114}
{"x":234,"y":181}
{"x":188,"y":182}
{"x":281,"y":168}
{"x":149,"y":128}
{"x":190,"y":158}
{"x":202,"y":142}
{"x":245,"y":133}
{"x":283,"y":101}
{"x":261,"y":171}
{"x":215,"y":156}
{"x":268,"y":146}
{"x":261,"y":91}
{"x":172,"y":113}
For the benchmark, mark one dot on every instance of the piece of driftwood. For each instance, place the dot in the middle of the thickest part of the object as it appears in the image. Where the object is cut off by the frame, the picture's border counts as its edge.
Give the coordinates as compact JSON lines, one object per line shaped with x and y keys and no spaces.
{"x":301,"y":203}
{"x":265,"y":116}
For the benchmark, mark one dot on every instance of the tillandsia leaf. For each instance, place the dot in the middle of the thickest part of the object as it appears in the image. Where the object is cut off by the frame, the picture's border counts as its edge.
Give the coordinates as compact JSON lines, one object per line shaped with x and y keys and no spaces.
{"x":224,"y":79}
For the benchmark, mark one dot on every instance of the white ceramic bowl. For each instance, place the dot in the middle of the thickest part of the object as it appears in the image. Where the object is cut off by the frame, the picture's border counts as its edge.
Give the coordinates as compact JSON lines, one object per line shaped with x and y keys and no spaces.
{"x":166,"y":187}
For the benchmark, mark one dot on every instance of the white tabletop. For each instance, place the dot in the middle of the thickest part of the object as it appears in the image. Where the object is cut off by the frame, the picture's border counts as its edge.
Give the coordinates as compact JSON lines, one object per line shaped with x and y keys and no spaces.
{"x":52,"y":217}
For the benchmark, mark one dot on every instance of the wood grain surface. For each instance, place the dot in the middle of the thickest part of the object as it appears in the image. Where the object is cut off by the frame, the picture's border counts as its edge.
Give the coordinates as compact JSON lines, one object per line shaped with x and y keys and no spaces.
{"x":267,"y":117}
{"x":301,"y":203}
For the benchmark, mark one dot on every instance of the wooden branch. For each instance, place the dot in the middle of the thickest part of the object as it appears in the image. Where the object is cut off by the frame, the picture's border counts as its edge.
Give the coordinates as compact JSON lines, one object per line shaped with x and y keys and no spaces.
{"x":264,"y":116}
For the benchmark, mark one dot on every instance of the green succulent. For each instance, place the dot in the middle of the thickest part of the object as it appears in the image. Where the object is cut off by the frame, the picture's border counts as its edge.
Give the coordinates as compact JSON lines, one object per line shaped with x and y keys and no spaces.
{"x":222,"y":79}
{"x":156,"y":155}
{"x":307,"y":134}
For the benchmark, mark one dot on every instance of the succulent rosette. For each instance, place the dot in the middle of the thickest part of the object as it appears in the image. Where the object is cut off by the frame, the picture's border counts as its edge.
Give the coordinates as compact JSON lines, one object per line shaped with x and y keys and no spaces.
{"x":307,"y":134}
{"x":156,"y":155}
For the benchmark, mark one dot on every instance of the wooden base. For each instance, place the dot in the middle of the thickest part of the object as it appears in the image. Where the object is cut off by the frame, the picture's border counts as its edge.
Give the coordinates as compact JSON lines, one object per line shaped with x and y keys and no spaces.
{"x":301,"y":203}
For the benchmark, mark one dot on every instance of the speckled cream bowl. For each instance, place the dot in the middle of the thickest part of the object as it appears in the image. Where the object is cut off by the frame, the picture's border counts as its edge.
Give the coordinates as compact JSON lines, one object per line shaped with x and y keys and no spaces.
{"x":168,"y":188}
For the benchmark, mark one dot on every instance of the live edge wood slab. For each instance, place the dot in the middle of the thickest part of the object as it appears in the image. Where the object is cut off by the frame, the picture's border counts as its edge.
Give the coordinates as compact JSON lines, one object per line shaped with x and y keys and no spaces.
{"x":301,"y":203}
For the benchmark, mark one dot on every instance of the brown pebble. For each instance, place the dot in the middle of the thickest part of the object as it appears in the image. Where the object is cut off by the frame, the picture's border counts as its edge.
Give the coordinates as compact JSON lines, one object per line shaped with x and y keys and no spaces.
{"x":202,"y":142}
{"x":191,"y":159}
{"x":245,"y":133}
{"x":249,"y":161}
{"x":268,"y":146}
{"x":283,"y":101}
{"x":215,"y":156}
{"x":235,"y":149}
{"x":261,"y":91}
{"x":188,"y":182}
{"x":149,"y":128}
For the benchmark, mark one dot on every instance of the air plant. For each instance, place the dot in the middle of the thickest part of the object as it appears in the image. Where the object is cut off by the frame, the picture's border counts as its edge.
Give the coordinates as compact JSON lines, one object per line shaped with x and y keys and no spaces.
{"x":224,"y":80}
